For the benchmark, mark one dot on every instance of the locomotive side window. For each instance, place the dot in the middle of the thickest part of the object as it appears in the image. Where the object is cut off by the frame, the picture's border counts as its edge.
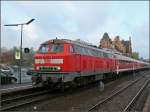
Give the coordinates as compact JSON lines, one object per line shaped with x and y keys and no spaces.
{"x":84,"y":50}
{"x":71,"y":49}
{"x":106,"y":55}
{"x":110,"y":55}
{"x":95,"y":53}
{"x":92,"y":52}
{"x":89,"y":52}
{"x":100,"y":54}
{"x":79,"y":49}
{"x":76,"y":49}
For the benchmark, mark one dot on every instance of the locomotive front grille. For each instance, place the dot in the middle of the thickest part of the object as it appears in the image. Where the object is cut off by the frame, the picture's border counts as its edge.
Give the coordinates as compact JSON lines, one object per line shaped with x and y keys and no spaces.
{"x":50,"y":68}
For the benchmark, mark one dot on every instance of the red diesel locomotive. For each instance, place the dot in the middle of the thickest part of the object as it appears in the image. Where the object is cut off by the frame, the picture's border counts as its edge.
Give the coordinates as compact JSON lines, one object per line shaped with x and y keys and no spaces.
{"x":62,"y":61}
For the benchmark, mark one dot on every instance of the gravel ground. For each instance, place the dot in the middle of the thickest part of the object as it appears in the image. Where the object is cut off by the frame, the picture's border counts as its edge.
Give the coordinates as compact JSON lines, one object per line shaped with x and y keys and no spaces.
{"x":139,"y":105}
{"x":119,"y":102}
{"x":147,"y":103}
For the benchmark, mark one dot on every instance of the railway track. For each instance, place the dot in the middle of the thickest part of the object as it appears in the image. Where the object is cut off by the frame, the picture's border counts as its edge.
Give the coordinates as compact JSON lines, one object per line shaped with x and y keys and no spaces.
{"x":119,"y":101}
{"x":11,"y":103}
{"x":132,"y":103}
{"x":30,"y":98}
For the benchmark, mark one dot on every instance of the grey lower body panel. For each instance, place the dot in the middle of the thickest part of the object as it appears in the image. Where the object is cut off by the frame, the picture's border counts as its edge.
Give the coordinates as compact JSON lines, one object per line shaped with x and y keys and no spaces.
{"x":57,"y":76}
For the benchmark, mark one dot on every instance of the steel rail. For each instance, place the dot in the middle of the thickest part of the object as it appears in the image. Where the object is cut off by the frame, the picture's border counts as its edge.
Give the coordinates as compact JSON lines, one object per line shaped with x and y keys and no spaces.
{"x":113,"y":95}
{"x":24,"y":96}
{"x":23,"y":103}
{"x":129,"y":106}
{"x":20,"y":104}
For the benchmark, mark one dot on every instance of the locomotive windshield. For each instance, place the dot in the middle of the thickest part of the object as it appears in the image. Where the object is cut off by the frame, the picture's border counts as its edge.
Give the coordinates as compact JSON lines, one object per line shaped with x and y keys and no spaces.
{"x":43,"y":48}
{"x":51,"y":48}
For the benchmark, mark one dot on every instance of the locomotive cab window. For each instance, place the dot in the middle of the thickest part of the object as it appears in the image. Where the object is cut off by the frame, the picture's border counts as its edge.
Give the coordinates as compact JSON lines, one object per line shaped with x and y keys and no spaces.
{"x":44,"y":48}
{"x":56,"y":48}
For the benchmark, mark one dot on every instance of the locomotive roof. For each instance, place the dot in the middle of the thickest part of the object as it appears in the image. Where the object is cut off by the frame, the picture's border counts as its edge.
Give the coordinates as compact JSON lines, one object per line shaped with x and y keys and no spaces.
{"x":87,"y":45}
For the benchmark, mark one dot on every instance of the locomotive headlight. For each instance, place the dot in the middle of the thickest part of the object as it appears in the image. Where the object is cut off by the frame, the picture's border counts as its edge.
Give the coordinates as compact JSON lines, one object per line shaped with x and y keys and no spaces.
{"x":58,"y":67}
{"x":37,"y":67}
{"x":57,"y":61}
{"x":49,"y":68}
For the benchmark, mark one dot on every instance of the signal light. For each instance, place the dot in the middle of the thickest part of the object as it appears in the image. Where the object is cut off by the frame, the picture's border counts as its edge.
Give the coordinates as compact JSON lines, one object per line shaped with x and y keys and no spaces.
{"x":26,"y":50}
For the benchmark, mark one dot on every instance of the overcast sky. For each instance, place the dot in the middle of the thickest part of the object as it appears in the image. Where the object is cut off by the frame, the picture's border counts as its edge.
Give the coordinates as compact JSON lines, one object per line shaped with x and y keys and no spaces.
{"x":85,"y":20}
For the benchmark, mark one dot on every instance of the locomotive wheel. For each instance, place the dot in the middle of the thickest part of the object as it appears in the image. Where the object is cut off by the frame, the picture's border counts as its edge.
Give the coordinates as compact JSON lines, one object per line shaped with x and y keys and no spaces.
{"x":62,"y":87}
{"x":74,"y":84}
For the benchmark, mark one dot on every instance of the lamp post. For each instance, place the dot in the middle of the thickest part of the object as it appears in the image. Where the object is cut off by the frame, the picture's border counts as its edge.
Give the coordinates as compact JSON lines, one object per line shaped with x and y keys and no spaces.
{"x":21,"y":25}
{"x":0,"y":50}
{"x":0,"y":62}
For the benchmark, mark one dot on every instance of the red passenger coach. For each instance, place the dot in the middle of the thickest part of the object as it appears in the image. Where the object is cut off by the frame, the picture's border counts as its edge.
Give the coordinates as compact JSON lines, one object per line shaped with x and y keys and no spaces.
{"x":62,"y":61}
